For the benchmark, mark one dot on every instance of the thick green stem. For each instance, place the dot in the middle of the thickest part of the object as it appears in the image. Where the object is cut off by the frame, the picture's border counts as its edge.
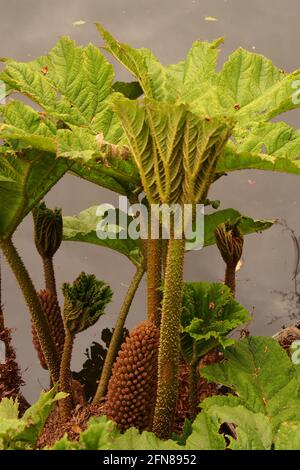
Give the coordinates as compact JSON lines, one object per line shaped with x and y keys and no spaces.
{"x":117,"y":336}
{"x":40,"y":322}
{"x":65,"y":378}
{"x":169,"y":346}
{"x":230,"y":274}
{"x":154,"y":261}
{"x":49,"y":275}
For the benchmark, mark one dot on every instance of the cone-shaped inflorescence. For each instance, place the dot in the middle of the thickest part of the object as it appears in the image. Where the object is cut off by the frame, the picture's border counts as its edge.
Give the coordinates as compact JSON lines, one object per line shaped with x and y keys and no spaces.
{"x":56,"y":325}
{"x":230,"y":243}
{"x":48,"y":233}
{"x":131,"y":390}
{"x":85,"y":302}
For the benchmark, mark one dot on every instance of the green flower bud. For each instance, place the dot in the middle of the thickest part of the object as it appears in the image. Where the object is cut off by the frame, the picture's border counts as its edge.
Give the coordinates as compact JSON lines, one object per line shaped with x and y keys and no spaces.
{"x":230,"y":242}
{"x":48,"y":230}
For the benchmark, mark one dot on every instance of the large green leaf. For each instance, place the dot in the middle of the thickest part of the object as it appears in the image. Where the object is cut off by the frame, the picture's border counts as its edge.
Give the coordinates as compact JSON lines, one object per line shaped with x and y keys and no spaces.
{"x":206,"y":234}
{"x":103,"y":434}
{"x":70,"y":82}
{"x":10,"y":424}
{"x":288,"y":436}
{"x":209,"y":313}
{"x":26,"y":175}
{"x":253,"y":430}
{"x":83,"y":228}
{"x":133,"y":440}
{"x":74,"y":86}
{"x":90,"y":162}
{"x":249,"y":88}
{"x":265,"y":146}
{"x":205,"y":434}
{"x":25,"y":181}
{"x":262,"y":376}
{"x":22,"y":433}
{"x":157,"y":81}
{"x":36,"y":416}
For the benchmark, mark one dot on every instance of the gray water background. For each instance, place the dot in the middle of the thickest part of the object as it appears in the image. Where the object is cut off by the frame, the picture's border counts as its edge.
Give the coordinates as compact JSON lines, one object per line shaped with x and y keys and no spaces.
{"x":29,"y":28}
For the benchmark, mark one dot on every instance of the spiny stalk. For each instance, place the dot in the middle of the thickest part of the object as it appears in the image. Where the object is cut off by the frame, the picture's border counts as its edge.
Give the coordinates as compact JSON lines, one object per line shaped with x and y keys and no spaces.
{"x":169,"y":347}
{"x":154,"y":265}
{"x":116,"y":339}
{"x":38,"y":317}
{"x":85,"y":301}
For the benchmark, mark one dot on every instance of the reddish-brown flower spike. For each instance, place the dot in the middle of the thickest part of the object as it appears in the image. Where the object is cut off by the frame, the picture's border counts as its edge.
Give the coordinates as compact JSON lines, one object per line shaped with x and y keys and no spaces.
{"x":52,"y":311}
{"x":131,"y":389}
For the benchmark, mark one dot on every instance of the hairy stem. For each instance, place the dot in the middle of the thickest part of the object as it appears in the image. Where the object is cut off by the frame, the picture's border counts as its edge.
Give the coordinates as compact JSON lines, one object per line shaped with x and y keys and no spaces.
{"x":49,"y":275}
{"x":26,"y":285}
{"x":169,"y":345}
{"x":165,"y":244}
{"x":65,"y":378}
{"x":154,"y":260}
{"x":117,"y":336}
{"x":230,"y":274}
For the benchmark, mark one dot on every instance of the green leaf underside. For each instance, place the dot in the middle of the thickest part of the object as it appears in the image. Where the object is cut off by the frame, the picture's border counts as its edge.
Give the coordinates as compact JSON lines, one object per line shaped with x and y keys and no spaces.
{"x":247,"y":225}
{"x":25,"y":180}
{"x":26,"y":175}
{"x":83,"y":228}
{"x":175,"y":151}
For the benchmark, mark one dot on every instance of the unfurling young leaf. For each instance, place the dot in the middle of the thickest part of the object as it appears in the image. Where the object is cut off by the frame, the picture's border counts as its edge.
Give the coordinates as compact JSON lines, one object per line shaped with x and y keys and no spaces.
{"x":209,"y":313}
{"x":85,"y":301}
